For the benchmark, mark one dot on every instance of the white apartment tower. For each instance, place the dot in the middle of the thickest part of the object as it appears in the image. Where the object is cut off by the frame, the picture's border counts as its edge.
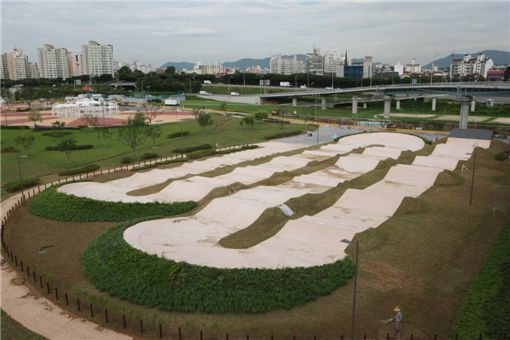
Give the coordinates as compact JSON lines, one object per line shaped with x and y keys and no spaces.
{"x":470,"y":65}
{"x":15,"y":65}
{"x":97,"y":59}
{"x":53,"y":62}
{"x":275,"y":64}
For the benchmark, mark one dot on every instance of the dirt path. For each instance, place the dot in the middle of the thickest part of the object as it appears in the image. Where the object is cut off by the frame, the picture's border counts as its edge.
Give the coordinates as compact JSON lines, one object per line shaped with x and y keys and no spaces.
{"x":39,"y":314}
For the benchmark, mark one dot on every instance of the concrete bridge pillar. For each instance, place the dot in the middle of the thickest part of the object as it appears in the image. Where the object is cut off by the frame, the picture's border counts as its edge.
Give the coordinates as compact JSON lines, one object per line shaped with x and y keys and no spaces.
{"x":387,"y":107}
{"x":354,"y":105}
{"x":473,"y":105}
{"x":398,"y":105}
{"x":294,"y":101}
{"x":434,"y":104}
{"x":365,"y":105}
{"x":464,"y":113}
{"x":323,"y":103}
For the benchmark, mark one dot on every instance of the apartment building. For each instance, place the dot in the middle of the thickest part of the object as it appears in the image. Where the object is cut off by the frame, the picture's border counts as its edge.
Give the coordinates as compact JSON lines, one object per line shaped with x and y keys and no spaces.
{"x":96,"y":59}
{"x":53,"y":62}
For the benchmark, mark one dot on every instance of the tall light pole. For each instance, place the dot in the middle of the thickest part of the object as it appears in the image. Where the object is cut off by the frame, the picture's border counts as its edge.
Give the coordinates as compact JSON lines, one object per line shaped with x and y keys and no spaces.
{"x":353,"y":327}
{"x":473,"y":174}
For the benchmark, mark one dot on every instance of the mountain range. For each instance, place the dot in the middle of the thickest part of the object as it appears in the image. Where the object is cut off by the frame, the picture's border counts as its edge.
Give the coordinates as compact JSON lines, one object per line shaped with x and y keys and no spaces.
{"x":499,"y":57}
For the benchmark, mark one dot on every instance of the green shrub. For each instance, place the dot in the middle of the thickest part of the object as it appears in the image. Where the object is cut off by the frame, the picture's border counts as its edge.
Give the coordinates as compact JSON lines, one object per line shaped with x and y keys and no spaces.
{"x":148,"y":155}
{"x":192,"y":148}
{"x":14,"y":127}
{"x":9,"y":149}
{"x":75,"y":147}
{"x":127,"y":159}
{"x":63,"y":207}
{"x":502,"y":156}
{"x":19,"y":184}
{"x":284,"y":134}
{"x":155,"y":165}
{"x":200,"y":154}
{"x":80,"y":170}
{"x":178,"y":134}
{"x":112,"y":265}
{"x":57,"y":134}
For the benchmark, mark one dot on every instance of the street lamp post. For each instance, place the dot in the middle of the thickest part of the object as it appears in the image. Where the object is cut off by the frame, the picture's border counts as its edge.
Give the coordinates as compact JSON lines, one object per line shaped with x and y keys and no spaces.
{"x":353,"y":327}
{"x":473,"y":175}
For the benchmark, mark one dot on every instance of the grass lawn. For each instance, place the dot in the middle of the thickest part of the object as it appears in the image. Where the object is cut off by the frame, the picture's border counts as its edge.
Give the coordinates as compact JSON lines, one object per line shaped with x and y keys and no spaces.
{"x":407,"y":106}
{"x":11,"y":330}
{"x":422,"y":259}
{"x":225,"y":131}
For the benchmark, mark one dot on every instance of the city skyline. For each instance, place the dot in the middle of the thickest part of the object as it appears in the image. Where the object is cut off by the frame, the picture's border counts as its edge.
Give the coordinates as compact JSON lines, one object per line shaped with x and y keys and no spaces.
{"x":389,"y":31}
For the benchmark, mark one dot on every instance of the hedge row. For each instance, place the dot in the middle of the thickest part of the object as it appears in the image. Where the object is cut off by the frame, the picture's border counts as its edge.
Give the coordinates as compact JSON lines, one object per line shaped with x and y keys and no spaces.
{"x":144,"y":157}
{"x":14,"y":127}
{"x":112,"y":265}
{"x":19,"y":184}
{"x":80,"y":170}
{"x":177,"y":134}
{"x":501,"y":156}
{"x":192,"y":148}
{"x":76,"y":147}
{"x":9,"y":149}
{"x":200,"y":153}
{"x":284,"y":134}
{"x":59,"y":206}
{"x":154,"y":165}
{"x":57,"y":134}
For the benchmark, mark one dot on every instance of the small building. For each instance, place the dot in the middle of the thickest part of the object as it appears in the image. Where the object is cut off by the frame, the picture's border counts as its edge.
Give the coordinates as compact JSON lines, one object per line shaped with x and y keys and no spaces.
{"x":495,"y":75}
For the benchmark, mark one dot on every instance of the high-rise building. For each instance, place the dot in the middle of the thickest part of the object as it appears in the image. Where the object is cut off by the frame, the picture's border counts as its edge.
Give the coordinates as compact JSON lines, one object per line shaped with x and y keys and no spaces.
{"x":53,"y":62}
{"x":367,"y":67}
{"x":315,"y":62}
{"x":275,"y":64}
{"x":3,"y":67}
{"x":33,"y":71}
{"x":15,"y":65}
{"x":286,"y":65}
{"x":96,"y":59}
{"x":74,"y":62}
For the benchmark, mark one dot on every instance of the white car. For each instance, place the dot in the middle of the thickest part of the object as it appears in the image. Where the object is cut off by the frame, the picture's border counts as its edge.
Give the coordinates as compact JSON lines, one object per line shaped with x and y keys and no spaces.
{"x":234,"y":93}
{"x":303,"y":87}
{"x":329,"y":88}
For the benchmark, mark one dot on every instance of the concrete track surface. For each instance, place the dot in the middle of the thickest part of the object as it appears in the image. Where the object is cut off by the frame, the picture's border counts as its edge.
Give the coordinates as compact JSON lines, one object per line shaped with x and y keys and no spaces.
{"x":300,"y":243}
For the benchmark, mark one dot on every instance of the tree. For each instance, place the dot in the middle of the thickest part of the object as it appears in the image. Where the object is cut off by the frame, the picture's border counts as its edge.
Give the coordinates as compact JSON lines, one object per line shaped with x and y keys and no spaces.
{"x":223,"y":107}
{"x":26,"y":141}
{"x":67,"y":145}
{"x":204,"y":119}
{"x":153,"y":132}
{"x":248,"y":121}
{"x":28,"y":94}
{"x":196,"y":112}
{"x":134,"y":132}
{"x":35,"y":117}
{"x":261,"y":115}
{"x":170,"y":70}
{"x":58,"y":124}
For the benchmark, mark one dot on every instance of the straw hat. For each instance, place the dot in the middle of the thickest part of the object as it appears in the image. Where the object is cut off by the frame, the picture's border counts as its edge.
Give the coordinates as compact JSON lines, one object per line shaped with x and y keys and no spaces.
{"x":396,"y":309}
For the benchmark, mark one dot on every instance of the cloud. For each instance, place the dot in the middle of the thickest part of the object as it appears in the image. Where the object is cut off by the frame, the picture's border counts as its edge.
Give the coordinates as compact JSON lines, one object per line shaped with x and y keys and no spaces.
{"x":160,"y":31}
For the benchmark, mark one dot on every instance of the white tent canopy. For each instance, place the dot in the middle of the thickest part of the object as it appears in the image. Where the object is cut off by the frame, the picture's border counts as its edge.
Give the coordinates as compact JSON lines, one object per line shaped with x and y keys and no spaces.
{"x":83,"y":106}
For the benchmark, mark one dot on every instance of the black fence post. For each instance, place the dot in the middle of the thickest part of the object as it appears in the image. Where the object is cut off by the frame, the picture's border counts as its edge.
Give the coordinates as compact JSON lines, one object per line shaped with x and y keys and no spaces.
{"x":21,"y":264}
{"x":481,"y":336}
{"x":226,"y":336}
{"x":56,"y":293}
{"x":67,"y":299}
{"x":78,"y":304}
{"x":40,"y":281}
{"x":48,"y":286}
{"x":124,"y":320}
{"x":141,"y":326}
{"x":160,"y":331}
{"x":16,"y":260}
{"x":412,"y":336}
{"x":180,"y":334}
{"x":91,"y":310}
{"x":106,"y":315}
{"x":35,"y":278}
{"x":435,"y":336}
{"x":201,"y":335}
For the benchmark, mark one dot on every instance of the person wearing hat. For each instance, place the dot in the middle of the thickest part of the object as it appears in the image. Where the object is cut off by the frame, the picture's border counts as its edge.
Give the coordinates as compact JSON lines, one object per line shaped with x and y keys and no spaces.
{"x":397,"y":319}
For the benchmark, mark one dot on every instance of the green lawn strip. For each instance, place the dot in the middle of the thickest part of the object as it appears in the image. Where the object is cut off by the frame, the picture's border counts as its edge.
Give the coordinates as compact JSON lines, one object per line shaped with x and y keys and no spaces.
{"x":12,"y":330}
{"x":486,"y":308}
{"x":63,"y":207}
{"x":112,"y":265}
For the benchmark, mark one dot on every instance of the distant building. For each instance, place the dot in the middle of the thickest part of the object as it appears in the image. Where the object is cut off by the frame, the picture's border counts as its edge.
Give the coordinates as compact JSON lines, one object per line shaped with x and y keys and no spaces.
{"x":286,"y":65}
{"x":53,"y":62}
{"x":405,"y":69}
{"x":15,"y":66}
{"x":96,"y":59}
{"x":471,"y":66}
{"x":495,"y":75}
{"x":74,"y":62}
{"x":315,"y":62}
{"x":367,"y":67}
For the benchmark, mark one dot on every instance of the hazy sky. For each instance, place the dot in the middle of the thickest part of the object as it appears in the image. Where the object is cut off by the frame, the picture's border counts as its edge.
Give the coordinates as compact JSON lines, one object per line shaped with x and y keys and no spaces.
{"x":210,"y":31}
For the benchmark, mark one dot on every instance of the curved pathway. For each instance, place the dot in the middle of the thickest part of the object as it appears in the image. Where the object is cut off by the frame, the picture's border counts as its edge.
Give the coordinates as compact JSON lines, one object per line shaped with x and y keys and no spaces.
{"x":39,"y":314}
